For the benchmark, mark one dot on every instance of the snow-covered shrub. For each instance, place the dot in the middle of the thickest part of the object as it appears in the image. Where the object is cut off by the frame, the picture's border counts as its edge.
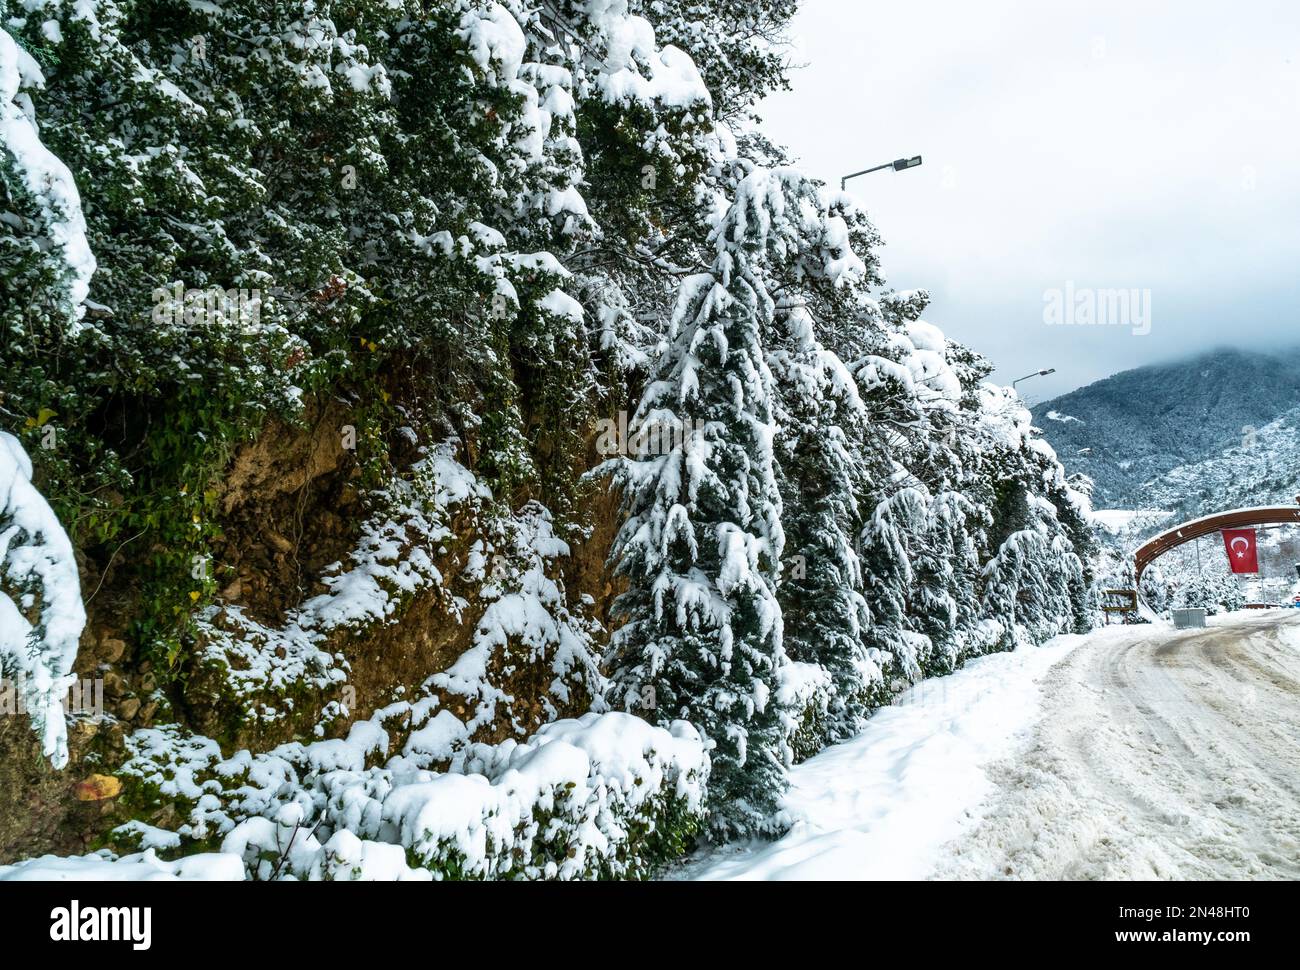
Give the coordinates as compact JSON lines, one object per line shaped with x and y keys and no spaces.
{"x":605,"y":796}
{"x":41,"y":615}
{"x":805,"y":696}
{"x":602,"y":796}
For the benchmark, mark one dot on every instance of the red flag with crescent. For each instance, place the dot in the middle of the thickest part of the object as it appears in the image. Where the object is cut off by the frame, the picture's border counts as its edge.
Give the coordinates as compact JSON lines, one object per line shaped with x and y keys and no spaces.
{"x":1240,"y":544}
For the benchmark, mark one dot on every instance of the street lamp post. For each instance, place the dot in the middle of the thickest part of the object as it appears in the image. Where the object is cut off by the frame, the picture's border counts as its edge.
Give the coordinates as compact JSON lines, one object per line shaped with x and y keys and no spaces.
{"x":898,"y":165}
{"x":1038,"y":373}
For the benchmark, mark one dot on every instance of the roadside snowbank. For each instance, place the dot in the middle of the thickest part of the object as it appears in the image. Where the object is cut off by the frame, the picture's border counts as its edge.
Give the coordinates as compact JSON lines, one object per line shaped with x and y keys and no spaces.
{"x":140,"y":867}
{"x":600,"y":796}
{"x":882,"y":805}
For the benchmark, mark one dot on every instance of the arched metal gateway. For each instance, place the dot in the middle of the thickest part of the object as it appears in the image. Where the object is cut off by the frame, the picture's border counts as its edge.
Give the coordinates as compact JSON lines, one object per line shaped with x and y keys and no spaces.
{"x":1209,"y":524}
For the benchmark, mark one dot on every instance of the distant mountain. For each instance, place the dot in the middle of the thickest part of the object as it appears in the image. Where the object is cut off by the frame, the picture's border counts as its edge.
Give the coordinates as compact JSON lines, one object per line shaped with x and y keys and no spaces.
{"x":1131,"y":431}
{"x":1262,"y":469}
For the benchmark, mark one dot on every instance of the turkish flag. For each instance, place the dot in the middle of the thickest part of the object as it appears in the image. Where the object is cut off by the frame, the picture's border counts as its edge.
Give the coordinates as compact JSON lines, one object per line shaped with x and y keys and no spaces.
{"x":1240,"y":544}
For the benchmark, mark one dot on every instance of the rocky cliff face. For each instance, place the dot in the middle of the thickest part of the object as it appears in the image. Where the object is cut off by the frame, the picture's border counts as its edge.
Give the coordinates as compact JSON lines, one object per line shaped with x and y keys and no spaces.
{"x":292,"y":506}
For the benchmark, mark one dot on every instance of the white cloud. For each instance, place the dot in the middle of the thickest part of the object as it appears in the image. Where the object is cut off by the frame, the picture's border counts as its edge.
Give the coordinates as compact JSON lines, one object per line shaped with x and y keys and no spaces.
{"x":1112,"y":145}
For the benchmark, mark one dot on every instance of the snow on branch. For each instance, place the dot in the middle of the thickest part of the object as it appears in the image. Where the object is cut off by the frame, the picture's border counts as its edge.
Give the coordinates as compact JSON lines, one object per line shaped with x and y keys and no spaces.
{"x":601,"y":796}
{"x":41,"y":615}
{"x":42,"y":176}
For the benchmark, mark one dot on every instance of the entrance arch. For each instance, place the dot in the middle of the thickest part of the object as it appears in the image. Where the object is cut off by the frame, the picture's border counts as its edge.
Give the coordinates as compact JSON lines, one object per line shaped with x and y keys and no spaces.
{"x":1207,"y":525}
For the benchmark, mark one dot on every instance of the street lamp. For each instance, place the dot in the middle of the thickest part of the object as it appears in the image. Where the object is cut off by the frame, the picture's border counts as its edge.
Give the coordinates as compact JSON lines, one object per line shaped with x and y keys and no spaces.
{"x":898,"y":165}
{"x":1038,"y":373}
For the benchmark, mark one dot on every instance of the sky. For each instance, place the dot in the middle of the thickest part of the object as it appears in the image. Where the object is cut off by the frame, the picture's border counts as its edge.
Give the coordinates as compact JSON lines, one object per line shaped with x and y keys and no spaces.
{"x":1139,"y":158}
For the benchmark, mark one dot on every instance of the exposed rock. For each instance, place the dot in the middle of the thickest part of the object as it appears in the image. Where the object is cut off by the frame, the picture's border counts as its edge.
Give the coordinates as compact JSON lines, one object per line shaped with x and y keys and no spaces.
{"x":278,"y":541}
{"x":39,"y":809}
{"x":283,"y":459}
{"x":111,"y":649}
{"x":114,"y":684}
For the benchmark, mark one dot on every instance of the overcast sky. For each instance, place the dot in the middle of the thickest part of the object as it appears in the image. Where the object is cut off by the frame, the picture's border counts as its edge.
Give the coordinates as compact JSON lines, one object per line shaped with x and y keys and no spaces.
{"x":1109,"y":145}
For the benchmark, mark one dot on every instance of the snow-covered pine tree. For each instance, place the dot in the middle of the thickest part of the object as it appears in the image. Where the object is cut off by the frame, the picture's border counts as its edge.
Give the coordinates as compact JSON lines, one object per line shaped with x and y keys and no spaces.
{"x":739,"y":45}
{"x":701,"y":546}
{"x":1072,"y":498}
{"x":946,"y":560}
{"x":1029,"y":585}
{"x":895,"y":370}
{"x":944,"y":563}
{"x":825,"y":268}
{"x":1034,"y":581}
{"x":820,"y":594}
{"x":895,"y":524}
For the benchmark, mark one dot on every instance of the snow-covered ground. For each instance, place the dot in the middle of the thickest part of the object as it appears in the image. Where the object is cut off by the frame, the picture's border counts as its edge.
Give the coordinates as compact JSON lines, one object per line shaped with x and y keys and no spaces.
{"x":1136,"y":752}
{"x":1160,"y":755}
{"x":883,"y":805}
{"x":141,"y":867}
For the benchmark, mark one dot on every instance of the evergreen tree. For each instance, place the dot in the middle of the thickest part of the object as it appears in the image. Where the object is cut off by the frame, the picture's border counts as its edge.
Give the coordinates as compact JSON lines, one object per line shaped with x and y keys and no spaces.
{"x":740,"y":46}
{"x":886,"y":540}
{"x":821,"y":582}
{"x":702,"y":637}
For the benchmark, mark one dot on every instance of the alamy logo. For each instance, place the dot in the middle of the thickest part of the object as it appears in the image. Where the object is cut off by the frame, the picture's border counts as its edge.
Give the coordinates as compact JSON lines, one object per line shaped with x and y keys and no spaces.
{"x":211,"y":307}
{"x":84,"y":696}
{"x":651,"y":438}
{"x":1082,"y":306}
{"x":73,"y":923}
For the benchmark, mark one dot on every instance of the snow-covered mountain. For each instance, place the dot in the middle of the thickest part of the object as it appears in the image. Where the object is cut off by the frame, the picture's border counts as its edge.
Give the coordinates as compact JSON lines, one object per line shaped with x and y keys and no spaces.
{"x":1210,"y":432}
{"x":1170,"y":443}
{"x":1262,"y":469}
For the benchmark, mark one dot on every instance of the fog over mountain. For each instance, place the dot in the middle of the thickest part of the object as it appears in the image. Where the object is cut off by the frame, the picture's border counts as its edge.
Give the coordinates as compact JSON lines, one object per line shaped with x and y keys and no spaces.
{"x":1134,"y":433}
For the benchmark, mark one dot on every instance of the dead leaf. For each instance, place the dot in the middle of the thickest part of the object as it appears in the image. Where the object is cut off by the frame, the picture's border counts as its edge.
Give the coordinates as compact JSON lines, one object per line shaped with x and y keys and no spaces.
{"x":97,"y":787}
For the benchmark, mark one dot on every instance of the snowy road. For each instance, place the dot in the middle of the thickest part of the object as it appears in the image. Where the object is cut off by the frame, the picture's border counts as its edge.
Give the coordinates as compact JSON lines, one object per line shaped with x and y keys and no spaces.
{"x":1137,"y":752}
{"x":1166,"y":756}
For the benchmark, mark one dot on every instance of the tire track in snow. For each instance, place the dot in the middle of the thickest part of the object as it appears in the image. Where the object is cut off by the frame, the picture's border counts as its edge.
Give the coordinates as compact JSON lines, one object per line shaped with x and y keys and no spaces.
{"x":1159,"y":755}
